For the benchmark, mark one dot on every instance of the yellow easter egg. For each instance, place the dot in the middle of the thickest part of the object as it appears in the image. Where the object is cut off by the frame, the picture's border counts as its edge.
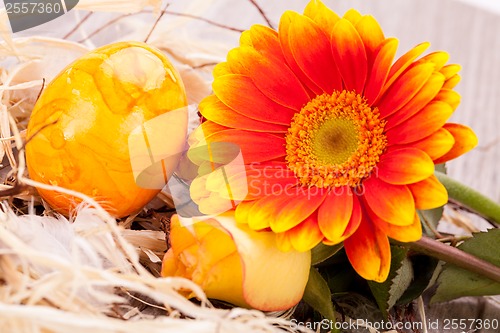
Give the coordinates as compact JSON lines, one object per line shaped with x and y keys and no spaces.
{"x":111,"y":125}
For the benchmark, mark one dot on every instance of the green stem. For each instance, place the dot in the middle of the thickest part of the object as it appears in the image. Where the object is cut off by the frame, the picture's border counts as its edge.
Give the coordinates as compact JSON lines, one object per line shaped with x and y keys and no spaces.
{"x":470,"y":198}
{"x":456,"y":257}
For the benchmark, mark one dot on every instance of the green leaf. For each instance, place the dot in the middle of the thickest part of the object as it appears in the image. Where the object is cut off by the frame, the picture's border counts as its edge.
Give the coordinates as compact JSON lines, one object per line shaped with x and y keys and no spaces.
{"x":424,"y":267}
{"x":456,"y":282}
{"x":318,"y":295}
{"x":400,"y":276}
{"x":321,"y":252}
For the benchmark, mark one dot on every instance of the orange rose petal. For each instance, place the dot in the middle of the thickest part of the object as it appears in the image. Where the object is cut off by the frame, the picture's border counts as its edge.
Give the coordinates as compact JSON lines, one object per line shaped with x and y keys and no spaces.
{"x":409,"y":233}
{"x":353,"y":16}
{"x":384,"y":56}
{"x":255,"y":146}
{"x":435,"y":145}
{"x":392,"y":203}
{"x":306,"y":235}
{"x":349,"y":54}
{"x":425,"y":95}
{"x":335,"y":213}
{"x":369,"y":252}
{"x":403,"y":63}
{"x":311,"y":49}
{"x":429,"y":193}
{"x":300,"y":205}
{"x":424,"y":123}
{"x":465,"y":140}
{"x":239,"y":93}
{"x":405,"y":166}
{"x":212,"y":108}
{"x":324,"y":17}
{"x":275,"y":79}
{"x":404,"y":88}
{"x":284,"y":36}
{"x":451,"y":97}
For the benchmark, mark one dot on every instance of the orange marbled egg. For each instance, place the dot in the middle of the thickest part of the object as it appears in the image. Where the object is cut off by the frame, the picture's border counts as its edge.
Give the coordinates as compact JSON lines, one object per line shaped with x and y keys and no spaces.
{"x":111,"y":125}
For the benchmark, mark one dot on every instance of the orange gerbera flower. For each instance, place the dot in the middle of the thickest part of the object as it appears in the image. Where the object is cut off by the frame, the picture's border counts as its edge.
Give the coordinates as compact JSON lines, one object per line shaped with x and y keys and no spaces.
{"x":339,"y":142}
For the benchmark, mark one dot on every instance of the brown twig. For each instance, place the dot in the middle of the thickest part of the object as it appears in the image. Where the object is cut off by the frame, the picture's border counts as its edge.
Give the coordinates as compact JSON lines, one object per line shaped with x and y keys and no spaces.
{"x":156,"y":22}
{"x":204,"y":20}
{"x":78,"y":25}
{"x":95,"y":32}
{"x":456,"y":257}
{"x":262,"y":13}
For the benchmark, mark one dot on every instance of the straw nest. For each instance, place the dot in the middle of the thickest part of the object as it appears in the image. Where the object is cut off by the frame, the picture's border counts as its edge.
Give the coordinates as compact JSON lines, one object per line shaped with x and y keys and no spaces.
{"x":92,"y":273}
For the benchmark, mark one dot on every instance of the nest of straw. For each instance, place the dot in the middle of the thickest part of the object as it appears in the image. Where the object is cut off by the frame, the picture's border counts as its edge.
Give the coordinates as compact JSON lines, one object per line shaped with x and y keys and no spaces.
{"x":92,"y":273}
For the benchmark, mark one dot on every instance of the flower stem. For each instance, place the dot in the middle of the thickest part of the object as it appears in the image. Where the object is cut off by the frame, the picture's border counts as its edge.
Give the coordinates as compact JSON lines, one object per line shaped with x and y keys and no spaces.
{"x":470,"y":198}
{"x":456,"y":257}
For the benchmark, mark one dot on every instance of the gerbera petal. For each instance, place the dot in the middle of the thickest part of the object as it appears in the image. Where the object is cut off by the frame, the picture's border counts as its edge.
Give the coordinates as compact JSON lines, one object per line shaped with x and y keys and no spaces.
{"x":212,"y":108}
{"x":242,"y":212}
{"x":425,"y":95}
{"x":240,"y":94}
{"x":264,"y":210}
{"x":300,"y":205}
{"x":435,"y":145}
{"x":311,"y":49}
{"x":284,"y":36}
{"x":355,"y":219}
{"x":421,"y":125}
{"x":350,"y":55}
{"x":429,"y":193}
{"x":372,"y":36}
{"x":236,"y":62}
{"x":405,"y":166}
{"x":369,"y":252}
{"x":392,"y":203}
{"x":450,"y":70}
{"x":439,"y":58}
{"x":283,"y":242}
{"x":275,"y":79}
{"x":404,"y":88}
{"x":452,"y":82}
{"x":306,"y":235}
{"x":335,"y":213}
{"x":265,"y":180}
{"x":245,"y":39}
{"x":324,"y":17}
{"x":465,"y":140}
{"x":380,"y":70}
{"x":255,"y":146}
{"x":222,"y":68}
{"x":451,"y":97}
{"x":353,"y":16}
{"x":266,"y":41}
{"x":409,"y":233}
{"x":404,"y":62}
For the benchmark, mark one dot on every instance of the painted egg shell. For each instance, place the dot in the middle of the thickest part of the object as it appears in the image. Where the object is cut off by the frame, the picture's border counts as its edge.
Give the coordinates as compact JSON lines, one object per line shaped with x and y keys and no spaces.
{"x":111,"y":125}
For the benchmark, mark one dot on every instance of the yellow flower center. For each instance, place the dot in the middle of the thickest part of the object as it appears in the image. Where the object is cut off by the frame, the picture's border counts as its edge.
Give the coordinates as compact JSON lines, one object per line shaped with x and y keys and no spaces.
{"x":335,"y":140}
